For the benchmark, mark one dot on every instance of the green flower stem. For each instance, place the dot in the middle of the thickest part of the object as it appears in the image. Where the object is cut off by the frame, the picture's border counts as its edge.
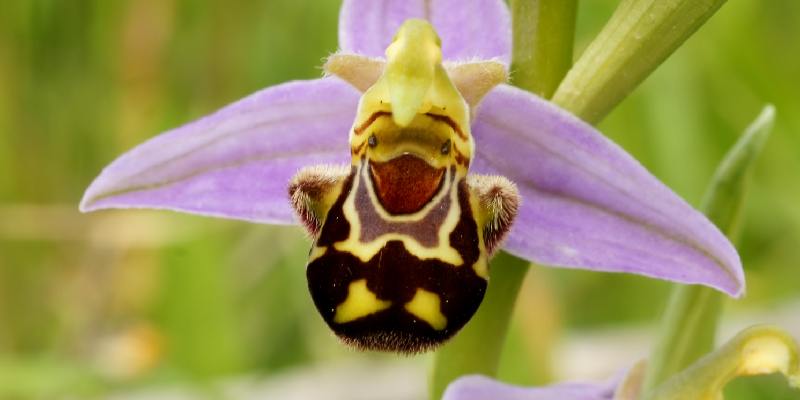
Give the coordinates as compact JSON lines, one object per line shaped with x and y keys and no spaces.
{"x":688,"y":331}
{"x":690,"y":322}
{"x":640,"y":35}
{"x":543,"y":35}
{"x":477,"y":348}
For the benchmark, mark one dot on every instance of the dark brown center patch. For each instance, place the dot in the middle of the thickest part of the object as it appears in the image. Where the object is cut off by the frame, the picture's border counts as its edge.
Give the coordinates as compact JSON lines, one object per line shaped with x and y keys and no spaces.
{"x":405,"y":184}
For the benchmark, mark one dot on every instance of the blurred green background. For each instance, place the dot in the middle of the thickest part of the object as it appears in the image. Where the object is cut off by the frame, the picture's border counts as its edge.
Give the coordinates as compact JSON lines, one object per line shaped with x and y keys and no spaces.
{"x":132,"y":302}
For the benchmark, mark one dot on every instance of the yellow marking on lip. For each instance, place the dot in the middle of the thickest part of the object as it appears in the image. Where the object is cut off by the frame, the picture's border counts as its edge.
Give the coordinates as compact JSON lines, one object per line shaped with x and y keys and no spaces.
{"x":366,"y":250}
{"x":359,"y":303}
{"x":481,"y":267}
{"x":427,"y":306}
{"x":317,"y":252}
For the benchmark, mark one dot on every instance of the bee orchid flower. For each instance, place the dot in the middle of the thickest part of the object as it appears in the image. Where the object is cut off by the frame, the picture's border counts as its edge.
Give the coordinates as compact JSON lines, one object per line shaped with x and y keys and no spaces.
{"x":407,"y":163}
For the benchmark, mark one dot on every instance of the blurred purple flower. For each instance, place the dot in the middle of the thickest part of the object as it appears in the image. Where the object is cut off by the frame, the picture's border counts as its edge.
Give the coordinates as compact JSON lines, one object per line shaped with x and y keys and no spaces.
{"x":586,"y":202}
{"x":477,"y":387}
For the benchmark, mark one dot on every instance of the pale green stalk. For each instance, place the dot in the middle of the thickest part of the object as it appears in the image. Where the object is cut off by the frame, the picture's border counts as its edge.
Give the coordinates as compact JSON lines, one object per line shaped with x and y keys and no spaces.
{"x":543,"y":34}
{"x":638,"y":38}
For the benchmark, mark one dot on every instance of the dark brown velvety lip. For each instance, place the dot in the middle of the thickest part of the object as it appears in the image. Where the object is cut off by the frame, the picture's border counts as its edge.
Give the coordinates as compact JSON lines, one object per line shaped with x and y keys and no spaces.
{"x":405,"y":184}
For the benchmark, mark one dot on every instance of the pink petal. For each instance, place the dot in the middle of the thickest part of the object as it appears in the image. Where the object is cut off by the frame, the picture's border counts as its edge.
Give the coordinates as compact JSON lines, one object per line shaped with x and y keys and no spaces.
{"x":476,"y":387}
{"x":235,"y":163}
{"x":468,"y":29}
{"x":588,"y":204}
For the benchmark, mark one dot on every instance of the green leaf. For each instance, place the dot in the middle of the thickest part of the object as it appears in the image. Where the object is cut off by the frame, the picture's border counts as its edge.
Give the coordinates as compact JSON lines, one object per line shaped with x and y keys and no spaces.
{"x":640,"y":35}
{"x":725,"y":200}
{"x":690,"y":321}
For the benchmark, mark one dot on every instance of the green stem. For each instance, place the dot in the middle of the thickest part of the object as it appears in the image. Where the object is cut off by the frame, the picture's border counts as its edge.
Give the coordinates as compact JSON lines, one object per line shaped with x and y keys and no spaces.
{"x":688,"y":331}
{"x":477,"y":348}
{"x":690,"y":322}
{"x":543,"y":37}
{"x":543,"y":34}
{"x":640,"y":35}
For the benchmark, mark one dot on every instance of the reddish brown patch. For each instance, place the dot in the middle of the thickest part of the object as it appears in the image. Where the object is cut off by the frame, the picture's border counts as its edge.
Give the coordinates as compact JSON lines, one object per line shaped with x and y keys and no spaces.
{"x":405,"y":184}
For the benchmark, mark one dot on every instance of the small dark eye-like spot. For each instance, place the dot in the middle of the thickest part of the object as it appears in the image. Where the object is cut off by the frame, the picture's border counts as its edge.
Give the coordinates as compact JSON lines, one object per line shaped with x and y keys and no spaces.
{"x":446,"y":147}
{"x":372,"y":141}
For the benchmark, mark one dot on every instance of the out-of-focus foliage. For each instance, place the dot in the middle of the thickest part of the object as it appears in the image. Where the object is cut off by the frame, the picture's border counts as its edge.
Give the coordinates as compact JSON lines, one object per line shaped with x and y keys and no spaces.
{"x":119,"y":300}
